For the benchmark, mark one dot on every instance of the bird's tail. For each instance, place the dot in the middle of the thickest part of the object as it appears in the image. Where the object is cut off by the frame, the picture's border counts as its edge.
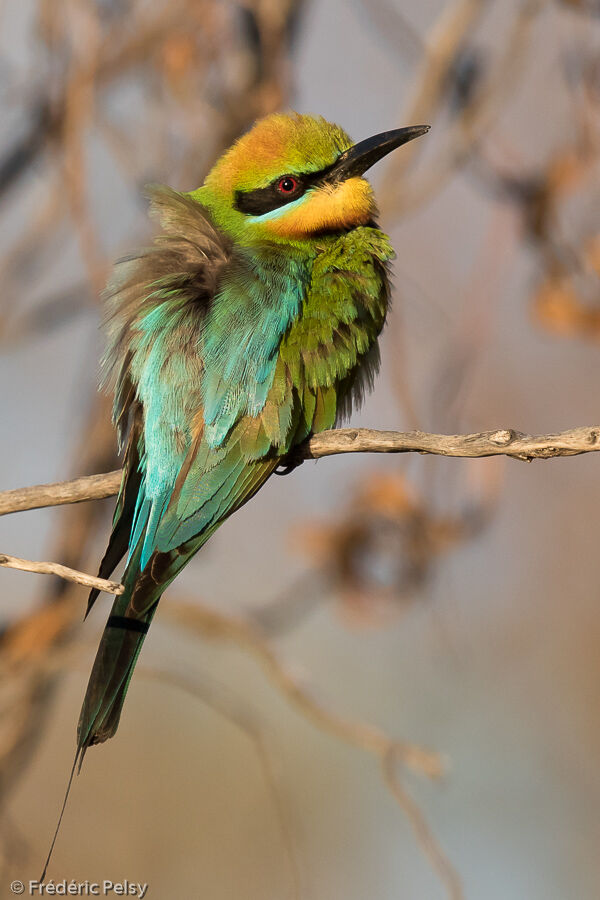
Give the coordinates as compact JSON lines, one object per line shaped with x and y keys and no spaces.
{"x":115,"y":661}
{"x":120,"y":646}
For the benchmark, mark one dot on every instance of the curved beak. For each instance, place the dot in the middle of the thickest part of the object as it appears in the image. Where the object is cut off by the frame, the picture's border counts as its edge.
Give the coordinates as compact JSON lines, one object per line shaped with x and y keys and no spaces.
{"x":357,"y":159}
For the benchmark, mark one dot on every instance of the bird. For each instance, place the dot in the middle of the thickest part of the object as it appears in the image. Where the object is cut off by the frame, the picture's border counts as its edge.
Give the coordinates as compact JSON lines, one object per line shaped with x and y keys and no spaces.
{"x":249,"y":324}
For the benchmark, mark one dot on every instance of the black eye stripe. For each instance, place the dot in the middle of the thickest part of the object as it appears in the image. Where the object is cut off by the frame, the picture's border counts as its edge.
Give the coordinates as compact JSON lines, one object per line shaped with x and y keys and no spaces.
{"x":264,"y":200}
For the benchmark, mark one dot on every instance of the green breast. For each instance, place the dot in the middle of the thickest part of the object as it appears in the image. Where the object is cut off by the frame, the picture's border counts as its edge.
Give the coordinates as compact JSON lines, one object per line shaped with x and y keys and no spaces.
{"x":330,"y":353}
{"x":308,"y":349}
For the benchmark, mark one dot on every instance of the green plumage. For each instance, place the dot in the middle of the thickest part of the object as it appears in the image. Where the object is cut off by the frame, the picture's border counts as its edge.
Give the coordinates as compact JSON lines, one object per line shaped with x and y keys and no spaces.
{"x":224,"y":354}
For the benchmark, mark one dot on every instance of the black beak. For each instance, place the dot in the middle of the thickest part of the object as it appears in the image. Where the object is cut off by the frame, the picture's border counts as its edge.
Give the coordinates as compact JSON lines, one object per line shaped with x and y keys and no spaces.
{"x":363,"y":155}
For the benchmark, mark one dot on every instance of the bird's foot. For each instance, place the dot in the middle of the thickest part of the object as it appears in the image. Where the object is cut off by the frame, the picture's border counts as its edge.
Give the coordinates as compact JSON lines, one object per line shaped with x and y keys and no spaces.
{"x":290,"y":462}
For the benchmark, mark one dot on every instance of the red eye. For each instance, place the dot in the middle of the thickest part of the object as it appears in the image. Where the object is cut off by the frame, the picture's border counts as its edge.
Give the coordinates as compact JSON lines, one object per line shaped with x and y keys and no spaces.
{"x":287,"y":185}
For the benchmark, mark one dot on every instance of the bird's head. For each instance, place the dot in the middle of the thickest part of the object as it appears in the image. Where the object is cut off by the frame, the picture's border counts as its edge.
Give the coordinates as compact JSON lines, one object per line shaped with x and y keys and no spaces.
{"x":293,"y":177}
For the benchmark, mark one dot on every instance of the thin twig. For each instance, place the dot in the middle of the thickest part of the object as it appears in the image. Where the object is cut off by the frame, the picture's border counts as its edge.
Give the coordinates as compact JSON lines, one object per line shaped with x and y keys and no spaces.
{"x":211,"y":623}
{"x":243,"y":632}
{"x":443,"y":43}
{"x":502,"y":442}
{"x":429,"y":844}
{"x":235,"y":712}
{"x":51,"y":568}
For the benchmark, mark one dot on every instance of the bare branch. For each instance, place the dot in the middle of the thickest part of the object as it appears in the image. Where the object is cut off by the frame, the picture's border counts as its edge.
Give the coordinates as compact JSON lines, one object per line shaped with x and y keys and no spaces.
{"x":503,"y":442}
{"x":51,"y":568}
{"x":89,"y":487}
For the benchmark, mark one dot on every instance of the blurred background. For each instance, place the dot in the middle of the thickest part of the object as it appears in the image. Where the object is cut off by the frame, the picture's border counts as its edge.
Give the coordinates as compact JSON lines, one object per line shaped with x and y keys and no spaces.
{"x":450,"y":604}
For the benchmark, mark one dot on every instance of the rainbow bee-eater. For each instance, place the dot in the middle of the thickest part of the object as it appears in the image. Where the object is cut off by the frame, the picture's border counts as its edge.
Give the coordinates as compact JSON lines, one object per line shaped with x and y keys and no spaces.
{"x":250,"y":324}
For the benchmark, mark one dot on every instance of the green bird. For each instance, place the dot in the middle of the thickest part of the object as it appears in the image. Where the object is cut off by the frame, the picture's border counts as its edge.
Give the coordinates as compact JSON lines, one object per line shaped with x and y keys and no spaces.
{"x":250,"y":324}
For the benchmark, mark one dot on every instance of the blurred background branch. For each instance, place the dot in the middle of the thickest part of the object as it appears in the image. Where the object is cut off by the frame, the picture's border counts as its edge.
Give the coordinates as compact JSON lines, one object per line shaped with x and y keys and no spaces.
{"x":497,"y":318}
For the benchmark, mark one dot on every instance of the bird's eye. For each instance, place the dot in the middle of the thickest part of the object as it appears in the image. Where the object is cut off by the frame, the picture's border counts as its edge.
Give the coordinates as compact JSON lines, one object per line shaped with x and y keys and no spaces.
{"x":288,"y":185}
